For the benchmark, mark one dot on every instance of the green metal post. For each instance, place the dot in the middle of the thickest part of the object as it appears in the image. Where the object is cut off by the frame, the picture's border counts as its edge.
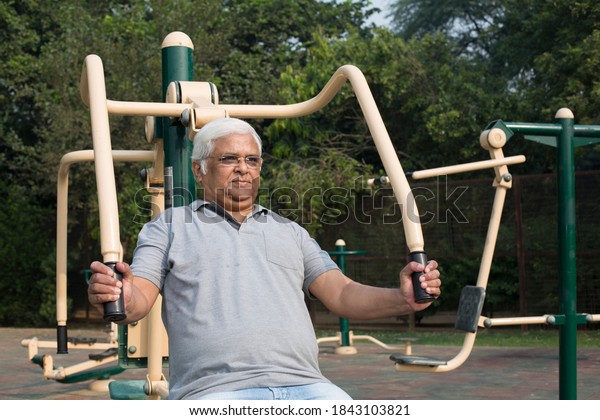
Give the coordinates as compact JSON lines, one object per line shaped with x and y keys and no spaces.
{"x":177,"y":65}
{"x":344,"y":323}
{"x":340,"y":253}
{"x":567,"y":257}
{"x":565,"y":136}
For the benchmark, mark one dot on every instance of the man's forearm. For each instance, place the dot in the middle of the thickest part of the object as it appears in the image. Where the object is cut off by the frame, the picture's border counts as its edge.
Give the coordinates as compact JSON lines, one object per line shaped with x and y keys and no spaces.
{"x":363,"y":302}
{"x":142,"y":298}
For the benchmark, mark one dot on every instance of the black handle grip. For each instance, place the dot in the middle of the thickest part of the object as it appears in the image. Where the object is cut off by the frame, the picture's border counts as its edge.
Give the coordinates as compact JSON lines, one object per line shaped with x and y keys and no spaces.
{"x":421,"y":296}
{"x":62,"y":346}
{"x":115,"y":311}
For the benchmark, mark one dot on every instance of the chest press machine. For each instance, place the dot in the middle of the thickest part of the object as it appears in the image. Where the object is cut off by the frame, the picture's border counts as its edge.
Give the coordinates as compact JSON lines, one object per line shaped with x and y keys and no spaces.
{"x":169,"y":128}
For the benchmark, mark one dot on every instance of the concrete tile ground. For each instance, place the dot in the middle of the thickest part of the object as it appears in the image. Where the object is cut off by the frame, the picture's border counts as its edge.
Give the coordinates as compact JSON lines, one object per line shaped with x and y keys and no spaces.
{"x":490,"y":373}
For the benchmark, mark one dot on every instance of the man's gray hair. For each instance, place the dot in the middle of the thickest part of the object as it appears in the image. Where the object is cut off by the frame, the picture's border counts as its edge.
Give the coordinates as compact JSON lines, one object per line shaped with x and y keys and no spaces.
{"x":204,"y":140}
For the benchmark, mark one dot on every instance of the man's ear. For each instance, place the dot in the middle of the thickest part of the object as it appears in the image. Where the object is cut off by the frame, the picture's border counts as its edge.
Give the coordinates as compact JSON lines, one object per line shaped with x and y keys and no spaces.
{"x":197,"y":172}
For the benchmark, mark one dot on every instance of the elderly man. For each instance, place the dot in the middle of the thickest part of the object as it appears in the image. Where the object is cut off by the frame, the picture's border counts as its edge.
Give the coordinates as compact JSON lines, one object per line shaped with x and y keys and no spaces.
{"x":233,"y":276}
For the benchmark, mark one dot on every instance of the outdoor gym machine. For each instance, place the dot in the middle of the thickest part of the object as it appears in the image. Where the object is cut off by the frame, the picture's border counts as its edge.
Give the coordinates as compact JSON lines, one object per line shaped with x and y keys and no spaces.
{"x":472,"y":296}
{"x":98,"y":366}
{"x":565,"y":136}
{"x":187,"y":107}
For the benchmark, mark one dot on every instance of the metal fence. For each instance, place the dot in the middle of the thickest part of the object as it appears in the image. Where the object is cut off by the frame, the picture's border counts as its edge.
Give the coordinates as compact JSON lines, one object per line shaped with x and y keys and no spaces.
{"x":454,"y":216}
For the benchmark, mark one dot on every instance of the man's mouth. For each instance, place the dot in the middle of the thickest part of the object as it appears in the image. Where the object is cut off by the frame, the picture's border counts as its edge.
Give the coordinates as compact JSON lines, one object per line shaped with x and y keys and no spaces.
{"x":241,"y":184}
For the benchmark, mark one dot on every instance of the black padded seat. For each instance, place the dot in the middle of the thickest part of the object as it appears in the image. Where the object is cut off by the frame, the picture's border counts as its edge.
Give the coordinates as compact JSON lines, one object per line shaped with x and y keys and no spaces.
{"x":417,"y":360}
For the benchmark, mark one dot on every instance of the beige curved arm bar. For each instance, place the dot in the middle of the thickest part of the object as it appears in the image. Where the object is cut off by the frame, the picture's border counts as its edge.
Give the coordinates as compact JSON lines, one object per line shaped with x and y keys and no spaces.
{"x":96,"y":98}
{"x":62,"y":215}
{"x":385,"y":148}
{"x":105,"y":177}
{"x":482,"y":279}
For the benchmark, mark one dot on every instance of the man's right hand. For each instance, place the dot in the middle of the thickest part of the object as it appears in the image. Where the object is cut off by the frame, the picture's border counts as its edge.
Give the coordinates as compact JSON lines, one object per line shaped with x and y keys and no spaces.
{"x":104,"y":287}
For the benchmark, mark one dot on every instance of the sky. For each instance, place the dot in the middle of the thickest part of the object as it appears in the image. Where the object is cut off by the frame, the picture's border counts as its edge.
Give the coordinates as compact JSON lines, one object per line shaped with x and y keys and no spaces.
{"x":380,"y":18}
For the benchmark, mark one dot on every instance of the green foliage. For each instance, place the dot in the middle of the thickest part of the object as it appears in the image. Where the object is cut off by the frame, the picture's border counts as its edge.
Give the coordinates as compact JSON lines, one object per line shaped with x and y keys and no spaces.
{"x":24,"y":252}
{"x":469,"y":23}
{"x":447,"y":70}
{"x":241,"y":46}
{"x":312,"y":191}
{"x":135,"y":209}
{"x":535,"y":57}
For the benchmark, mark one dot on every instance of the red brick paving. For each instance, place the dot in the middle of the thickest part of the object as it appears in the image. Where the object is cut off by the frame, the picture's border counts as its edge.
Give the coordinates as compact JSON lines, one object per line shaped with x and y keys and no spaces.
{"x":496,"y":373}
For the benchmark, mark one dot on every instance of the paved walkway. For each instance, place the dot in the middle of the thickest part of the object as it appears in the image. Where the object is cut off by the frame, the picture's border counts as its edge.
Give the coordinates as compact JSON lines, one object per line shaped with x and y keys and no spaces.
{"x":489,"y":373}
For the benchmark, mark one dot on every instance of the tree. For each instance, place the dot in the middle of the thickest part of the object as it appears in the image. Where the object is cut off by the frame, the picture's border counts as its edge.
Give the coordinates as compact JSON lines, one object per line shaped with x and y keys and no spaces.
{"x":538,"y":55}
{"x":448,"y":70}
{"x":241,"y":46}
{"x":471,"y":24}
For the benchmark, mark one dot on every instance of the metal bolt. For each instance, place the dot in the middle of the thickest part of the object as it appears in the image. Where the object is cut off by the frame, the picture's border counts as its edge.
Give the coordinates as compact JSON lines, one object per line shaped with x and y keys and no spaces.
{"x":132,"y":349}
{"x":185,"y":117}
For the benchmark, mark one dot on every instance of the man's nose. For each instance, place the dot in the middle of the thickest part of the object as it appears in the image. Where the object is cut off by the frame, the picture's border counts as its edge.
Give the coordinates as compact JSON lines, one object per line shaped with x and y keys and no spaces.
{"x":242,"y":166}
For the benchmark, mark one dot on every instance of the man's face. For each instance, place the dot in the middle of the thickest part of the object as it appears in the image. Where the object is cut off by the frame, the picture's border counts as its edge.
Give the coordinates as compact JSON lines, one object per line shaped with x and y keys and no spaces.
{"x":231,"y":182}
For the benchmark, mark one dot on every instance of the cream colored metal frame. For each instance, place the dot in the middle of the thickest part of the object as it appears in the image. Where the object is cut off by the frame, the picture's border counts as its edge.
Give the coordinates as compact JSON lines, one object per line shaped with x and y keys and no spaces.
{"x":190,"y":103}
{"x":34,"y":344}
{"x":493,"y":141}
{"x":194,"y":108}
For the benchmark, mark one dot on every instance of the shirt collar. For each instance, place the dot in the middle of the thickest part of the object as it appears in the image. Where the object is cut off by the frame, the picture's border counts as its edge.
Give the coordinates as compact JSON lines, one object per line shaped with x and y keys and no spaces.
{"x":211,"y":205}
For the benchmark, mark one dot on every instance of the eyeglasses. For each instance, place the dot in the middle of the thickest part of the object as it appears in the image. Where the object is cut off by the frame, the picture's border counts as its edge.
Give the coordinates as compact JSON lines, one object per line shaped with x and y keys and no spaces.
{"x":252,"y":161}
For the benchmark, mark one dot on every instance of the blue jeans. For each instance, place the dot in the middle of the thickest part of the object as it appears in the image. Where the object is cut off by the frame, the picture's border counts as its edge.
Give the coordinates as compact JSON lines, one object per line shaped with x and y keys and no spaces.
{"x":318,"y":391}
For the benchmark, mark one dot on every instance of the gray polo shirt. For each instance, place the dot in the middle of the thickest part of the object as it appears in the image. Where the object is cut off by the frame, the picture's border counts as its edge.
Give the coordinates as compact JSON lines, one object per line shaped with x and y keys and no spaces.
{"x":233,"y":297}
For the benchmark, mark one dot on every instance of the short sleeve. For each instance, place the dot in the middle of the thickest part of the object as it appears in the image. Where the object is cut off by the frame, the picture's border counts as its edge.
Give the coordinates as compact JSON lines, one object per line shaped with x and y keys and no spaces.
{"x":316,"y":260}
{"x":150,"y":258}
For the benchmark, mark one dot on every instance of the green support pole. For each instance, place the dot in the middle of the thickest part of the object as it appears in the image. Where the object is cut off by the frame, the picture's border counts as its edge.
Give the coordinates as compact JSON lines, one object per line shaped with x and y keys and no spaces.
{"x":340,"y":253}
{"x":567,"y":257}
{"x":565,"y":136}
{"x":177,"y":65}
{"x":179,"y":183}
{"x":344,"y":323}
